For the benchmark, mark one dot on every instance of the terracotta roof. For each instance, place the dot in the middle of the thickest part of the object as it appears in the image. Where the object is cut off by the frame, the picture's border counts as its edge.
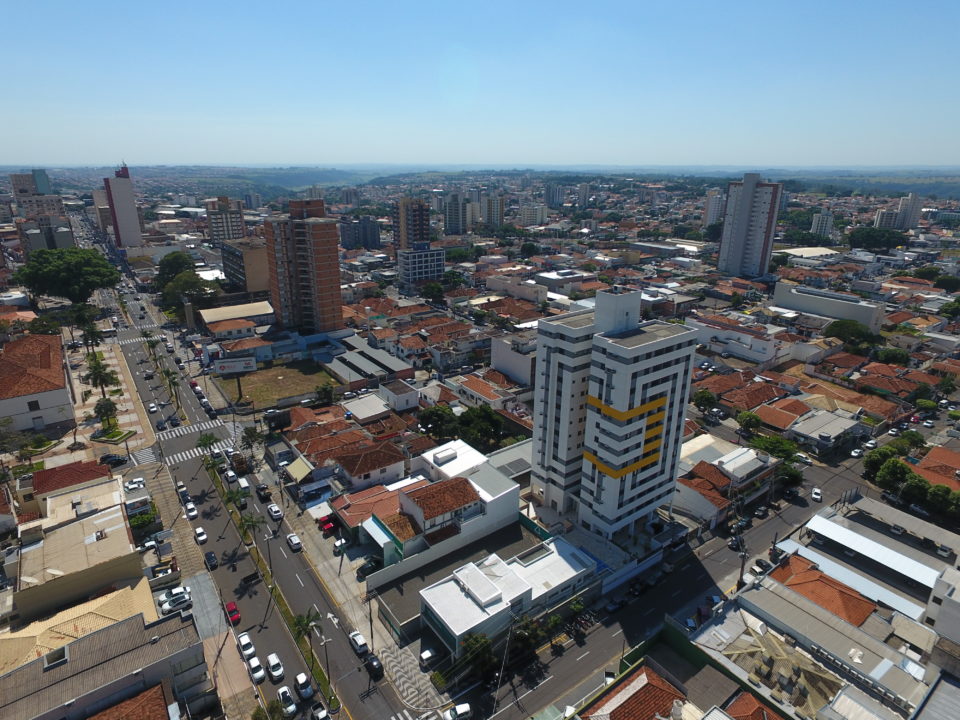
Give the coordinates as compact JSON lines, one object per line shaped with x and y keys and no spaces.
{"x":801,"y":576}
{"x":706,"y":489}
{"x":710,"y":473}
{"x":401,"y":525}
{"x":846,"y":360}
{"x":881,"y":369}
{"x":894,"y":386}
{"x":641,"y":695}
{"x":895,"y":318}
{"x":749,"y":397}
{"x":939,"y":467}
{"x":918,"y":376}
{"x":792,"y":405}
{"x":719,"y":384}
{"x":31,"y":364}
{"x":236,"y":324}
{"x":444,"y":496}
{"x":362,"y":460}
{"x":64,"y":476}
{"x":779,"y":419}
{"x":412,"y":342}
{"x":147,"y":705}
{"x":354,"y":508}
{"x":746,"y":707}
{"x":420,"y":444}
{"x":480,"y":386}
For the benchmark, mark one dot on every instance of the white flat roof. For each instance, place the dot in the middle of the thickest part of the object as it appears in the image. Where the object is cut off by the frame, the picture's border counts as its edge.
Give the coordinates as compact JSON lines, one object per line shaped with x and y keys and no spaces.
{"x":908,"y":567}
{"x":466,"y":459}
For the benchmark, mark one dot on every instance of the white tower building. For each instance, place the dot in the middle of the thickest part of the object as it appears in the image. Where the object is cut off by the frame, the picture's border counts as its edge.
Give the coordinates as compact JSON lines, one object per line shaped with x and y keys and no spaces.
{"x":748,"y":227}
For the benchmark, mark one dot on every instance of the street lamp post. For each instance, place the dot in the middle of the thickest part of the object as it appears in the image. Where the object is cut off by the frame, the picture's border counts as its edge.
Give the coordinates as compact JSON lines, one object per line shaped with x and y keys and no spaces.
{"x":326,"y":655}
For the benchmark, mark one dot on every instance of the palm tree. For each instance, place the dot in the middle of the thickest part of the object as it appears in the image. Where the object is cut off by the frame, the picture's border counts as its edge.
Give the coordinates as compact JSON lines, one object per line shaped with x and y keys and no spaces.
{"x":302,"y":627}
{"x":205,"y":443}
{"x":175,"y":390}
{"x":101,"y":376}
{"x":91,"y":336}
{"x":106,"y":410}
{"x":250,"y":439}
{"x":152,"y":346}
{"x":248,"y":523}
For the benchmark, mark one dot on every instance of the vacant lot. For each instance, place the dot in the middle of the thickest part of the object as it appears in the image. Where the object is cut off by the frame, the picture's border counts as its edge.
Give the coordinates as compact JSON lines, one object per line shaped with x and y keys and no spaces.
{"x":265,"y":387}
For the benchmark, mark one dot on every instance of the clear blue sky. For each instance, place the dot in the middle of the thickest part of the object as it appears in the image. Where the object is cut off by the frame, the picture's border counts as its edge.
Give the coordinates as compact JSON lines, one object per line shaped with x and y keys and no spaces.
{"x":335,"y":82}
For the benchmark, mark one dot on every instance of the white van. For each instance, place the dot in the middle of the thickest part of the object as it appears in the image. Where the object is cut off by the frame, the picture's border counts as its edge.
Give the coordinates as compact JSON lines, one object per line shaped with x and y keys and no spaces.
{"x":243,"y":485}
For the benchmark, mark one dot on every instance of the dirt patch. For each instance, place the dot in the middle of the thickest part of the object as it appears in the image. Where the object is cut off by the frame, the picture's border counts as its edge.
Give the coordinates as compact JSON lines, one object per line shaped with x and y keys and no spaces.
{"x":265,"y":387}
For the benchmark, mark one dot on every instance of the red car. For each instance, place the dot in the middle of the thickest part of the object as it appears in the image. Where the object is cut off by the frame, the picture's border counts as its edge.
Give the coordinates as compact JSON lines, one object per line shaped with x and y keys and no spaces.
{"x":233,"y":614}
{"x":193,"y":383}
{"x":327,"y":528}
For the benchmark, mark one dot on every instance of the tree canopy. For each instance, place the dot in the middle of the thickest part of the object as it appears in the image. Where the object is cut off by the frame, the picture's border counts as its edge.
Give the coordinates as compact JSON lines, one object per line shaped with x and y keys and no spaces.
{"x":893,"y":356}
{"x":170,"y":266}
{"x":70,"y":273}
{"x":775,"y":445}
{"x":187,"y":285}
{"x":950,"y":283}
{"x":876,"y":238}
{"x":848,"y":331}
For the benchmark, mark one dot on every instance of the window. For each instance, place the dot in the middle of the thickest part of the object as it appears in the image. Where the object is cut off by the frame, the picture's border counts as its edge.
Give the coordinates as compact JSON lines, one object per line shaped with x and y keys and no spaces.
{"x":33,"y":405}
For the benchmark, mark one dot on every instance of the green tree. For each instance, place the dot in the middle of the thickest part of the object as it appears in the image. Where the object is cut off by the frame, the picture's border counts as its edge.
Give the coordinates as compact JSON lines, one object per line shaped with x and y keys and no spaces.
{"x":775,"y":445}
{"x":302,"y":627}
{"x":439,"y":422}
{"x":950,"y":283}
{"x":789,"y":474}
{"x":947,"y":385}
{"x":70,"y":273}
{"x":452,"y":279}
{"x":205,"y":443}
{"x":894,"y":356}
{"x":713,"y":232}
{"x":11,"y":440}
{"x":873,"y":460}
{"x":187,"y":285}
{"x":91,"y":336}
{"x":433,"y":291}
{"x":913,"y":438}
{"x":529,"y":249}
{"x":900,"y":446}
{"x":44,"y":325}
{"x":481,"y":427}
{"x":923,"y":392}
{"x":106,"y":410}
{"x":928,"y":272}
{"x":749,"y":421}
{"x":248,"y":523}
{"x":849,"y":331}
{"x":170,"y":266}
{"x":950,"y":309}
{"x":100,"y":376}
{"x":325,"y":394}
{"x":737,"y":300}
{"x":880,"y":239}
{"x":251,"y":438}
{"x":478,"y":651}
{"x":892,"y":474}
{"x":275,"y":710}
{"x":915,"y":489}
{"x":938,"y":498}
{"x":458,"y":255}
{"x":704,"y":399}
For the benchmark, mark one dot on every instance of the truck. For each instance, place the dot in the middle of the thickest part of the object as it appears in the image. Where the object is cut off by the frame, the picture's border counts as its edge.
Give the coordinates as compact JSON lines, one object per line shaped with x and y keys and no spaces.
{"x":239,"y":463}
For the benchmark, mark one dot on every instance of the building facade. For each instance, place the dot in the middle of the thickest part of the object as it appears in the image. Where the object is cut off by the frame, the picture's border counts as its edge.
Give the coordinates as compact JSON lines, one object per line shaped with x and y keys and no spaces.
{"x":361,"y":232}
{"x":455,"y":214}
{"x":822,"y":224}
{"x":304,"y":267}
{"x":124,"y":217}
{"x":418,"y":265}
{"x":224,"y":220}
{"x":245,"y":264}
{"x":609,"y":404}
{"x":411,"y":223}
{"x":713,"y":207}
{"x":908,"y":212}
{"x":749,"y":223}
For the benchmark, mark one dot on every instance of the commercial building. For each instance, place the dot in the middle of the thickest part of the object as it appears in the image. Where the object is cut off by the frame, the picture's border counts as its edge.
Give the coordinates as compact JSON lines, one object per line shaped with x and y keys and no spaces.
{"x":45,"y":232}
{"x":224,"y":220}
{"x":361,"y":232}
{"x":304,"y":267}
{"x":418,"y":265}
{"x":749,"y":223}
{"x":411,"y":223}
{"x":33,"y":194}
{"x":33,"y":384}
{"x":609,"y":402}
{"x":124,"y":218}
{"x":828,"y":304}
{"x":245,"y":264}
{"x":35,"y":182}
{"x":455,"y":215}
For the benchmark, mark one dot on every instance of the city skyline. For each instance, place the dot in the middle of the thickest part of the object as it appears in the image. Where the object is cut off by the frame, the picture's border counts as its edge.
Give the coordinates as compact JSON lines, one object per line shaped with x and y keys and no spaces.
{"x":698,"y":84}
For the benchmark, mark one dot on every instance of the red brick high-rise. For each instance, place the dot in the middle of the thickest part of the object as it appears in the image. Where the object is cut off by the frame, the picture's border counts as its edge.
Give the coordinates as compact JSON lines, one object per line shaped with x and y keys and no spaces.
{"x":304,"y":267}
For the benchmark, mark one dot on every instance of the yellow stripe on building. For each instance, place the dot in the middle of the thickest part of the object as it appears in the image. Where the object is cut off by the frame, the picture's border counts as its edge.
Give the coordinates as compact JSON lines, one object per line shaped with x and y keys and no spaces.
{"x":617,"y":474}
{"x":622,"y":415}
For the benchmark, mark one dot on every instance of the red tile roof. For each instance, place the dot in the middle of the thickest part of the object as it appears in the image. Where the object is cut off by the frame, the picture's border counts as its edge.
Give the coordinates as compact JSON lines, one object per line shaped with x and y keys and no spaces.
{"x":706,"y":489}
{"x":236,"y":324}
{"x":793,"y":406}
{"x":746,"y":707}
{"x":881,"y":369}
{"x":64,"y":476}
{"x":801,"y":576}
{"x":641,"y":695}
{"x":712,"y":474}
{"x":362,"y":460}
{"x":148,"y":705}
{"x":401,"y":525}
{"x":444,"y":496}
{"x":354,"y":508}
{"x":779,"y":419}
{"x":244,"y":344}
{"x":749,"y":397}
{"x":31,"y":364}
{"x":846,"y":360}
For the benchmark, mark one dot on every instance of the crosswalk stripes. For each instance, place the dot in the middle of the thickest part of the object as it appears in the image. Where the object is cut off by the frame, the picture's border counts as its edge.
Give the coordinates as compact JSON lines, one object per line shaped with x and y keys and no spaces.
{"x":185,"y":455}
{"x":187,"y":429}
{"x":145,"y":455}
{"x":405,"y":715}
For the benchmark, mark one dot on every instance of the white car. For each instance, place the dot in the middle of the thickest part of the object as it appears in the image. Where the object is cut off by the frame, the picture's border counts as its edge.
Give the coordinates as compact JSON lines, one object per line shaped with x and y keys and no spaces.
{"x":190,"y":510}
{"x":870,"y":444}
{"x":152,"y":408}
{"x":230,"y":476}
{"x":173,"y":593}
{"x":458,"y":712}
{"x":255,"y":669}
{"x":816,"y":495}
{"x":856,"y":452}
{"x":135,"y":484}
{"x":274,"y":511}
{"x":893,"y":432}
{"x":200,"y":535}
{"x":928,"y":423}
{"x":287,"y":703}
{"x":805,"y":459}
{"x":359,"y":643}
{"x":274,"y":667}
{"x":245,"y":646}
{"x":294,"y":542}
{"x":181,"y":602}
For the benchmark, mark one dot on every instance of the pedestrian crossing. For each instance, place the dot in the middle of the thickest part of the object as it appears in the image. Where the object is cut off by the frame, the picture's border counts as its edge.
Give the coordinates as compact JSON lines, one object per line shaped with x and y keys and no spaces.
{"x":187,"y":429}
{"x":146,"y":455}
{"x":407,"y":715}
{"x":180,"y":457}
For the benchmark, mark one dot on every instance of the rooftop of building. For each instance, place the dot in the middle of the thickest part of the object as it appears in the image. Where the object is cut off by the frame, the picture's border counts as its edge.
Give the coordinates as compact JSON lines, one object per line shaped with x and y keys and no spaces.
{"x":455,"y":458}
{"x":151,"y":704}
{"x":50,"y":480}
{"x":231,"y":312}
{"x":647,"y":333}
{"x":382,"y":500}
{"x":641,"y":694}
{"x":31,"y":364}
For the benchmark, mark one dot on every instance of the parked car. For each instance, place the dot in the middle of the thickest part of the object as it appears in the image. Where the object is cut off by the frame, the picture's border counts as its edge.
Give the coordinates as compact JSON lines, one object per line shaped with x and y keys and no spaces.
{"x":263,"y":492}
{"x":856,"y":452}
{"x":893,"y":432}
{"x":232,"y":612}
{"x":763,"y":565}
{"x":172,"y":593}
{"x":256,"y":670}
{"x":816,"y":495}
{"x":174,"y":421}
{"x":113,"y":460}
{"x":294,"y":542}
{"x":190,"y":510}
{"x":803,"y":458}
{"x":181,"y":602}
{"x":134,"y":484}
{"x":319,"y":712}
{"x":461,"y":711}
{"x":210,"y":560}
{"x":373,"y":665}
{"x":152,"y":408}
{"x":274,"y":667}
{"x":369,"y":567}
{"x":287,"y":703}
{"x":230,"y":476}
{"x":358,"y":642}
{"x":245,"y":646}
{"x":200,"y":535}
{"x":928,"y":423}
{"x":161,"y":425}
{"x":870,"y":444}
{"x":303,"y":687}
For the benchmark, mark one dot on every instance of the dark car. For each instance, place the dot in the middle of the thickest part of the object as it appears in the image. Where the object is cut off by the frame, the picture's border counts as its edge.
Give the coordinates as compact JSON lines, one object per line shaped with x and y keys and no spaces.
{"x":368,"y":568}
{"x":735,"y":544}
{"x":148,"y":376}
{"x":374,"y":666}
{"x":211,"y":412}
{"x":113,"y":460}
{"x":174,"y":421}
{"x":210,"y":558}
{"x":789,"y":493}
{"x":263,"y":492}
{"x":763,"y":565}
{"x":161,"y":425}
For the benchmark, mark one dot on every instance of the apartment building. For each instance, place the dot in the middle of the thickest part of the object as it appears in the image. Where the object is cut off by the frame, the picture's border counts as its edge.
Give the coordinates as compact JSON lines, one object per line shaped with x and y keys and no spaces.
{"x":124,"y":217}
{"x":304,"y":267}
{"x":411,"y":223}
{"x":245,"y":264}
{"x":360,"y":232}
{"x":609,"y":405}
{"x":224,"y":220}
{"x":750,"y":221}
{"x":419,"y":264}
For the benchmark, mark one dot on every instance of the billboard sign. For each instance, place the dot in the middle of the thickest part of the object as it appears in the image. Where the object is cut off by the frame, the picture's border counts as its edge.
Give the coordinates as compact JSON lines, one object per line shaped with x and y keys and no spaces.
{"x":234,"y":365}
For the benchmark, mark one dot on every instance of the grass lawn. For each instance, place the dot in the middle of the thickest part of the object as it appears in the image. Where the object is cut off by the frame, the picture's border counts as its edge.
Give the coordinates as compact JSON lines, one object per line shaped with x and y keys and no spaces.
{"x":267,"y":386}
{"x":18,"y":470}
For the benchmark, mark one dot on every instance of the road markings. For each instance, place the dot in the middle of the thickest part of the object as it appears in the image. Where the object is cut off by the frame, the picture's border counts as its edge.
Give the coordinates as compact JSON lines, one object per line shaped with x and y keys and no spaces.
{"x":583,"y":656}
{"x":618,"y":632}
{"x":282,"y":553}
{"x":297,"y":576}
{"x":521,"y":697}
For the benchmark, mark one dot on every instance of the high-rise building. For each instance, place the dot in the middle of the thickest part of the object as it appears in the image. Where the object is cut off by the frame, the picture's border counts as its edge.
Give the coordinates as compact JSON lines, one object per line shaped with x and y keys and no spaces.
{"x":33,"y":195}
{"x":822,"y":224}
{"x":245,"y":265}
{"x":418,"y":265}
{"x":609,"y":401}
{"x":749,"y":224}
{"x":886,"y":219}
{"x":304,"y":267}
{"x":252,"y":201}
{"x":411,"y":223}
{"x":491,"y":210}
{"x":359,"y":232}
{"x":553,"y":195}
{"x":224,"y":220}
{"x":35,"y":182}
{"x":123,"y":209}
{"x":713,"y":207}
{"x":533,"y":215}
{"x":908,"y":212}
{"x":350,"y":196}
{"x":455,"y":214}
{"x":583,"y":195}
{"x":45,"y":232}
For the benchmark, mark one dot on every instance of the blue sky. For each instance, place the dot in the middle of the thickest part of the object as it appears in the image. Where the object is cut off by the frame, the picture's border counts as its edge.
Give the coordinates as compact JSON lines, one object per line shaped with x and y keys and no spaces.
{"x":501,"y":83}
